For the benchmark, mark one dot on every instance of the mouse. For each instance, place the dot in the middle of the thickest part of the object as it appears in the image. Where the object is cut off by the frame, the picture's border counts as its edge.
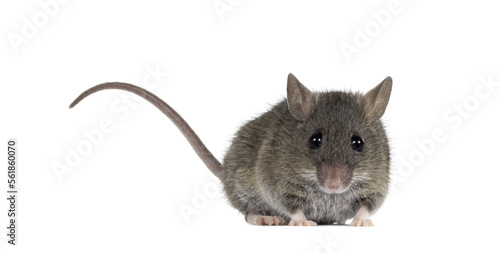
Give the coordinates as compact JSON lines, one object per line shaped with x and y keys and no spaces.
{"x":314,"y":158}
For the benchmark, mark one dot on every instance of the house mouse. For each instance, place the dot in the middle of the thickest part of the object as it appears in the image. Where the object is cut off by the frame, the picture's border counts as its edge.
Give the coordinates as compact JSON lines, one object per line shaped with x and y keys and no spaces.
{"x":314,"y":158}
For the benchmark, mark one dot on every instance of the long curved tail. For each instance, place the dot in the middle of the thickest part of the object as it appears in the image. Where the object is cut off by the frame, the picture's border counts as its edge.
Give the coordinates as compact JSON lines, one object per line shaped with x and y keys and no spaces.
{"x":206,"y":156}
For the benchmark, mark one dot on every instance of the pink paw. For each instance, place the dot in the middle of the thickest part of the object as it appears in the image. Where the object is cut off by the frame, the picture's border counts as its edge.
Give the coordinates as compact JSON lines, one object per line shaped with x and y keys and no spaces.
{"x":261,"y":220}
{"x":302,"y":223}
{"x":361,"y":223}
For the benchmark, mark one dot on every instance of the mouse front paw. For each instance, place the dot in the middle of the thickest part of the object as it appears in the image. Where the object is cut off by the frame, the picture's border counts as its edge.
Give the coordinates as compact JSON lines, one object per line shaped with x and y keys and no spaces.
{"x":302,"y":223}
{"x":362,"y":218}
{"x":361,"y":223}
{"x":261,"y":220}
{"x":299,"y":219}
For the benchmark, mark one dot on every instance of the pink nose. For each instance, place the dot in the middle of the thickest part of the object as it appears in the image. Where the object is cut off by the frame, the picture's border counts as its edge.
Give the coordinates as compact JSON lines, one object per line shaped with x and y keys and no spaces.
{"x":334,"y":177}
{"x":333,"y":185}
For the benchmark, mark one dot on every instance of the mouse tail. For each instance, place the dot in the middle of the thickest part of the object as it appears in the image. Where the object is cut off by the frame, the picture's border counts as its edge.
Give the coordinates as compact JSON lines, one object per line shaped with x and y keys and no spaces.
{"x":201,"y":150}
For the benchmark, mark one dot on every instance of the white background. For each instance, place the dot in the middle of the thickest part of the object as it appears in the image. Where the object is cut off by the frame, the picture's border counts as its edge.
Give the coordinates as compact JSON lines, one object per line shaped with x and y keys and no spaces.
{"x":127,"y":192}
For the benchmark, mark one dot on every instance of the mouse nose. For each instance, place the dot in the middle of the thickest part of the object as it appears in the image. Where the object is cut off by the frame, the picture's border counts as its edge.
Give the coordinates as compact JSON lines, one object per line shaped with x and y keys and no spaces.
{"x":334,"y":177}
{"x":333,"y":184}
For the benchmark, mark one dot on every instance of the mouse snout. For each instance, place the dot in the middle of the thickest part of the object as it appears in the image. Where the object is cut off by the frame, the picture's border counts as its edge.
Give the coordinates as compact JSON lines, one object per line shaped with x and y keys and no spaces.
{"x":334,"y":179}
{"x":333,"y":184}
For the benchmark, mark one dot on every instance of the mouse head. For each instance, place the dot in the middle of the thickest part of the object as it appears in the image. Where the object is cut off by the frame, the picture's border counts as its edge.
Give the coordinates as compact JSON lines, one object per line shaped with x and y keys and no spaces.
{"x":340,"y":133}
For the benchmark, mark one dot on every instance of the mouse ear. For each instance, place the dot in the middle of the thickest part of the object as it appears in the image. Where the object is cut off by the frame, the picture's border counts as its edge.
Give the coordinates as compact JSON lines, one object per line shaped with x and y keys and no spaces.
{"x":299,"y":99}
{"x":377,"y":99}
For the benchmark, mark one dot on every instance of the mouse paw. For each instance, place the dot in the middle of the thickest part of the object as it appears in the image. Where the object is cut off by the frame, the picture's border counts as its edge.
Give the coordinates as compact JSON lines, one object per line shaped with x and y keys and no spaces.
{"x":302,"y":223}
{"x":261,"y":220}
{"x":361,"y":223}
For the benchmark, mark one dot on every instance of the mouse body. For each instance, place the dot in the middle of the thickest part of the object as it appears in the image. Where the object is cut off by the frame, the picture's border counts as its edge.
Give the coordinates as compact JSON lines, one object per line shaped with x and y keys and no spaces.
{"x":313,"y":158}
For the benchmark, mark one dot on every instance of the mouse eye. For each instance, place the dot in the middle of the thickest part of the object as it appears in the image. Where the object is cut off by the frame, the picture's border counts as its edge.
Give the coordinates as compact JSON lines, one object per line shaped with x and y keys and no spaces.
{"x":357,"y":143}
{"x":315,"y":141}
